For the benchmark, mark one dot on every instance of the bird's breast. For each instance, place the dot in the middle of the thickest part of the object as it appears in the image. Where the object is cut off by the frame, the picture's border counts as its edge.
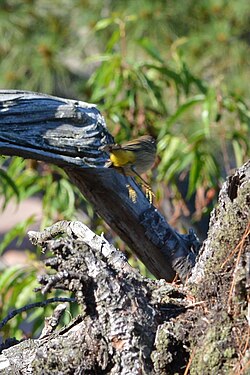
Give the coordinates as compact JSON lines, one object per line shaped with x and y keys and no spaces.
{"x":120,"y":158}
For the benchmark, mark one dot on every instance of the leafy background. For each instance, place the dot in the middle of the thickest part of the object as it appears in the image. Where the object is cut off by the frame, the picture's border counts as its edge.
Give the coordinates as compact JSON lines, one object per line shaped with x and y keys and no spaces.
{"x":176,"y":70}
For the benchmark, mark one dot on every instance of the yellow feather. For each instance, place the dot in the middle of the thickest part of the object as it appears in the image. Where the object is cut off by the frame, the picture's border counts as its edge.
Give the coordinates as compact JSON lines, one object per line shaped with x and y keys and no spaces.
{"x":120,"y":157}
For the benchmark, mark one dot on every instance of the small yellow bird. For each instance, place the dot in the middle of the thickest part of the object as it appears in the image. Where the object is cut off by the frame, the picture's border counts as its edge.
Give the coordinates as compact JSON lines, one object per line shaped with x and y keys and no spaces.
{"x":132,"y":158}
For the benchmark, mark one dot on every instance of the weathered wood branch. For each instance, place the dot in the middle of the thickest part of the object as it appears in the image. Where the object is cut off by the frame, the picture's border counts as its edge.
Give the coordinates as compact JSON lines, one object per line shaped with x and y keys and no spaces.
{"x":69,"y":133}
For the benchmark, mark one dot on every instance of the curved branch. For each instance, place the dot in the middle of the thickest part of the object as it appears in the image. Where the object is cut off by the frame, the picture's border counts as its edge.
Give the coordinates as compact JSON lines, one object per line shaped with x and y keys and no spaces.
{"x":70,"y":133}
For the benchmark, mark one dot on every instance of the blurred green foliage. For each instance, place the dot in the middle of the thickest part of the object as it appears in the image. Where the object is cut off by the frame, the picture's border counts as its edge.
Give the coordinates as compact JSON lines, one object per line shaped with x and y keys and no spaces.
{"x":176,"y":70}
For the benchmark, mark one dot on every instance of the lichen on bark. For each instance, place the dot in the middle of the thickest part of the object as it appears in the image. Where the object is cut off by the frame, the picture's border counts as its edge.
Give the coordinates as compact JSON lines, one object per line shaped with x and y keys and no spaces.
{"x":222,"y":282}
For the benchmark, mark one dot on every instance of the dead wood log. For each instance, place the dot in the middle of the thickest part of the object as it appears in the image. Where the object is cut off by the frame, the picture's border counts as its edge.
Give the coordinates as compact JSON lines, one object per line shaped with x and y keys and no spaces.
{"x":70,"y":133}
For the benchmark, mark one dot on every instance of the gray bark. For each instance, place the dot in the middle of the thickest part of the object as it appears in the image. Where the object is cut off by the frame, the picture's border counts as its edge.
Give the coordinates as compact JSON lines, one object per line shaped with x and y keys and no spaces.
{"x":233,"y":205}
{"x":70,"y":133}
{"x":115,"y":332}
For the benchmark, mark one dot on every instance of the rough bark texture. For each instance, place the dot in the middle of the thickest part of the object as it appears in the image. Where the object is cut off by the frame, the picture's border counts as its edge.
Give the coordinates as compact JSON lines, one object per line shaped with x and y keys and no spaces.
{"x":221,"y":333}
{"x":70,"y":133}
{"x":131,"y":325}
{"x":116,"y":330}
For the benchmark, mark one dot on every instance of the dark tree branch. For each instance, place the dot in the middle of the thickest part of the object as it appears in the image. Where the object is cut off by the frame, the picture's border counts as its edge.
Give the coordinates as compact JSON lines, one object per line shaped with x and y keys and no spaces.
{"x":69,"y":133}
{"x":15,"y":312}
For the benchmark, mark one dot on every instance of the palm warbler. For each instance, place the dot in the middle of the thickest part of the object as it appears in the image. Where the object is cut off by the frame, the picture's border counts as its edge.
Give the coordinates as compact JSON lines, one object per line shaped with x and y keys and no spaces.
{"x":133,"y":157}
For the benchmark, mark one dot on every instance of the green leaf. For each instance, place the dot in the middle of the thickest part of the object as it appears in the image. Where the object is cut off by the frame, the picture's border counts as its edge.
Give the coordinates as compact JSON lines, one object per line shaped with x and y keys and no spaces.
{"x":209,"y":110}
{"x":169,"y":73}
{"x":153,"y":90}
{"x":27,"y":289}
{"x":238,"y":152}
{"x":103,"y":23}
{"x":181,"y":110}
{"x":115,"y":37}
{"x":194,"y":175}
{"x":151,"y":49}
{"x":9,"y":275}
{"x":6,"y":179}
{"x":188,"y":79}
{"x":175,"y":156}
